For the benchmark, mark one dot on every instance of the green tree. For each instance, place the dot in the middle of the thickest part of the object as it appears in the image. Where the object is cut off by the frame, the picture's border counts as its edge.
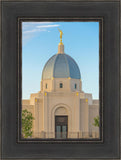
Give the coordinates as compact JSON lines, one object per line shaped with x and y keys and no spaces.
{"x":27,"y":120}
{"x":96,"y":121}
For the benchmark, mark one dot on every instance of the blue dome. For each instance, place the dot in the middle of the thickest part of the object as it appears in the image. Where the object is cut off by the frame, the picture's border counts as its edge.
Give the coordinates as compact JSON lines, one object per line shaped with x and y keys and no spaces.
{"x":61,"y":66}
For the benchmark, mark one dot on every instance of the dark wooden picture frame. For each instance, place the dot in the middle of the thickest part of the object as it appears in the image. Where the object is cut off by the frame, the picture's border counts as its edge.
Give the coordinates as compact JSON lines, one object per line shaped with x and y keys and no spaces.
{"x":109,"y":11}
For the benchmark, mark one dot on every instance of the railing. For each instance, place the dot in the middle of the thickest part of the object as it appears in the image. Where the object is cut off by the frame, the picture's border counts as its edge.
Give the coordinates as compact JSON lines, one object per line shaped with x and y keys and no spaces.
{"x":64,"y":135}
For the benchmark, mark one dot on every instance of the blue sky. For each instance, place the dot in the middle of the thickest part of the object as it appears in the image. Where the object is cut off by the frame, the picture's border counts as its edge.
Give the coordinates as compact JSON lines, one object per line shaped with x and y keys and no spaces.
{"x":40,"y":42}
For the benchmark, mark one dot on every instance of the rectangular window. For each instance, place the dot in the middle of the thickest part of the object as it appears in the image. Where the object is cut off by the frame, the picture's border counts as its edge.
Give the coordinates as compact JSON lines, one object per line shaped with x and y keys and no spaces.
{"x":61,"y":85}
{"x":75,"y":86}
{"x":46,"y":86}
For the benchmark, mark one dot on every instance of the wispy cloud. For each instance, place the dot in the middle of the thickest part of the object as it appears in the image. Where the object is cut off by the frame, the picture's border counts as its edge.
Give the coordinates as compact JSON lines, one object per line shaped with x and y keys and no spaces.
{"x":34,"y":30}
{"x":48,"y":26}
{"x":25,"y":25}
{"x":30,"y":29}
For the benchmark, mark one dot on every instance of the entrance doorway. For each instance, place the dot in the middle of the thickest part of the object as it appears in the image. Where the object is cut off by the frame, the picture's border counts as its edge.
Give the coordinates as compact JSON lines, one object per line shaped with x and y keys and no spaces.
{"x":61,"y":127}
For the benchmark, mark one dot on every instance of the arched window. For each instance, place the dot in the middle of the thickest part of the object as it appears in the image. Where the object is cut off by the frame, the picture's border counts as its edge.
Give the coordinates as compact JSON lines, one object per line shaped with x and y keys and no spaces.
{"x":75,"y":86}
{"x":61,"y":85}
{"x":46,"y":86}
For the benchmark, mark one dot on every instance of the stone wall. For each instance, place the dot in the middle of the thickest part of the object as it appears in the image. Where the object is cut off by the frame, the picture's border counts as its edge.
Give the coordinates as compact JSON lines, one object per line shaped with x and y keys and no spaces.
{"x":93,"y":112}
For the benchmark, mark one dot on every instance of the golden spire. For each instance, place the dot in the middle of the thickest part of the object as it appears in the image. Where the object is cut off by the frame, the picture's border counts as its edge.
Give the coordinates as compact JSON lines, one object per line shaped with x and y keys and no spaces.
{"x":61,"y":33}
{"x":60,"y":46}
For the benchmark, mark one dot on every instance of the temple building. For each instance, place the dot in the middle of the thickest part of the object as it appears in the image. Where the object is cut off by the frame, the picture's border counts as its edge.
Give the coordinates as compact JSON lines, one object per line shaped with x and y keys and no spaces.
{"x":61,"y":109}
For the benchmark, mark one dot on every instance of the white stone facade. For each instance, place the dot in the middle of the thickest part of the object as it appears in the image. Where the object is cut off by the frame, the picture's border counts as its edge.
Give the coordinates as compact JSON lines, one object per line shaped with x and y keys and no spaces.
{"x":80,"y":108}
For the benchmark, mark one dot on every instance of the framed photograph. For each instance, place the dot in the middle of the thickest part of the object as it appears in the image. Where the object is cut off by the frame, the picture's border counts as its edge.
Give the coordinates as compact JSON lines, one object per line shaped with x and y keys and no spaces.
{"x":61,"y":110}
{"x":60,"y":79}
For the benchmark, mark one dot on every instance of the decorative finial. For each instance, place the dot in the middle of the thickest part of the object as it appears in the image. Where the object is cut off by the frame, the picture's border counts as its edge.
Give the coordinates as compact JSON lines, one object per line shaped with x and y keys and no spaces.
{"x":61,"y":33}
{"x":60,"y":46}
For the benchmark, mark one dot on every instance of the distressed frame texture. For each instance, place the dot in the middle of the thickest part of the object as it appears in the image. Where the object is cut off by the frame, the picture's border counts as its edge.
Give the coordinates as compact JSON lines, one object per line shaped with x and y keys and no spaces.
{"x":109,"y":12}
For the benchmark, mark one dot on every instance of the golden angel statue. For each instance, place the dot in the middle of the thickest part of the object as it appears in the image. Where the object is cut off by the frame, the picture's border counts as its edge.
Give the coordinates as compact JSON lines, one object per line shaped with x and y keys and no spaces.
{"x":61,"y":33}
